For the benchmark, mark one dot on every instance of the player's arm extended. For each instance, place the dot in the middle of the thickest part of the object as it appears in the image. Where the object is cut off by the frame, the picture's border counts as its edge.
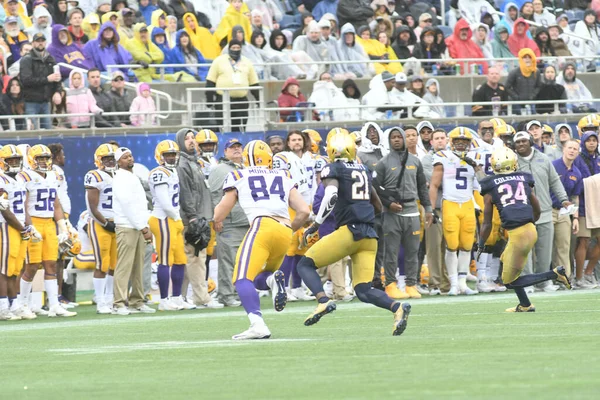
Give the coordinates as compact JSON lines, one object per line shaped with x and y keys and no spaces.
{"x":166,"y":203}
{"x":224,"y":207}
{"x":329,"y":201}
{"x":302,"y":210}
{"x":536,"y":206}
{"x":376,"y":202}
{"x":93,"y":198}
{"x":486,"y":227}
{"x":435,"y":183}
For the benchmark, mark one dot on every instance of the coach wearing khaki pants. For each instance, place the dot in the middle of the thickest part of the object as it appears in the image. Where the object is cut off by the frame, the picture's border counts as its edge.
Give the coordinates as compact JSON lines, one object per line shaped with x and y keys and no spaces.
{"x":131,"y":220}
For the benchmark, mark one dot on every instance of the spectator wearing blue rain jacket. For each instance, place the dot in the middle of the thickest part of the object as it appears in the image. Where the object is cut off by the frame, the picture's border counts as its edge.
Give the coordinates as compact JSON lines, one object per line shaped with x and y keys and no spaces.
{"x":147,"y":8}
{"x":185,"y":53}
{"x":159,"y":38}
{"x":324,"y":7}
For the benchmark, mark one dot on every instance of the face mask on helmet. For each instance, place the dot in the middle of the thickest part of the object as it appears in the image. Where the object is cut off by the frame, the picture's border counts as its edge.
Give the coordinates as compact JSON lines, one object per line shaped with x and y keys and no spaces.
{"x":13,"y":165}
{"x":109,"y":163}
{"x":44,"y":163}
{"x":170,"y":160}
{"x":208,"y":149}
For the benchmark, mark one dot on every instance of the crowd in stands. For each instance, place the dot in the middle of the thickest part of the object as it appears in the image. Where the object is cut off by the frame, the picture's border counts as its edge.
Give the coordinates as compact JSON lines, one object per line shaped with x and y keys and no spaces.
{"x":303,"y":39}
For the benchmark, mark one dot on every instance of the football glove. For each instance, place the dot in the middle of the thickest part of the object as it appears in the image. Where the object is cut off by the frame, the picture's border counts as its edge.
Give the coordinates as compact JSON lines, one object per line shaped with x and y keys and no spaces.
{"x":36,"y":237}
{"x":109,"y":226}
{"x":26,"y":233}
{"x":311,"y":235}
{"x":4,"y":202}
{"x":470,"y":162}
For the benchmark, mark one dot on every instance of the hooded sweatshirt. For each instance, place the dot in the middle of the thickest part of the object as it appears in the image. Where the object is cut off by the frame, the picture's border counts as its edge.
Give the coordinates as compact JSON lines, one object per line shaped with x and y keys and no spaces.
{"x":164,"y":47}
{"x":354,"y":52}
{"x":147,"y":12}
{"x":369,"y":153}
{"x":588,"y":164}
{"x":517,"y":42}
{"x":285,"y":99}
{"x":202,"y":39}
{"x":80,"y":101}
{"x":545,"y":47}
{"x":231,"y":19}
{"x":499,"y":48}
{"x":459,"y":48}
{"x":102,"y":55}
{"x":557,"y":141}
{"x":434,"y":98}
{"x":147,"y":53}
{"x":576,"y":90}
{"x":194,"y":195}
{"x":524,"y":83}
{"x":413,"y":185}
{"x":506,"y":21}
{"x":485,"y":45}
{"x":403,"y":49}
{"x":473,"y":10}
{"x":68,"y":53}
{"x":546,"y":180}
{"x":35,"y":28}
{"x":141,"y":103}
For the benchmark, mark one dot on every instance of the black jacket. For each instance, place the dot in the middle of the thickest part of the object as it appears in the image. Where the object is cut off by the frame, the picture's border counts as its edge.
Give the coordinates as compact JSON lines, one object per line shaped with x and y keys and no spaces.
{"x":550,"y":91}
{"x":401,"y":48}
{"x":34,"y":73}
{"x":121,"y":104}
{"x":357,"y":12}
{"x":178,"y":8}
{"x":104,"y":101}
{"x":10,"y":105}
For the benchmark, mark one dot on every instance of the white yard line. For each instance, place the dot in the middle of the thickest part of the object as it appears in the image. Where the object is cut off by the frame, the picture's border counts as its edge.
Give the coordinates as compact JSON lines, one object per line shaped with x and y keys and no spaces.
{"x":125,"y":348}
{"x":506,"y":299}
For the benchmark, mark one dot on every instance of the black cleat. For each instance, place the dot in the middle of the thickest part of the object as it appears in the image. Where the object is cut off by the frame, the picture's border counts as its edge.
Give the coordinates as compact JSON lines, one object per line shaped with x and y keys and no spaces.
{"x":401,"y":319}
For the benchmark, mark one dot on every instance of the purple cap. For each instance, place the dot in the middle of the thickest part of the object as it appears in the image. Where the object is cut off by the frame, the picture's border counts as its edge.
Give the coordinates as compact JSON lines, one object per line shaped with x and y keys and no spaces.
{"x":232,"y":142}
{"x":11,"y":19}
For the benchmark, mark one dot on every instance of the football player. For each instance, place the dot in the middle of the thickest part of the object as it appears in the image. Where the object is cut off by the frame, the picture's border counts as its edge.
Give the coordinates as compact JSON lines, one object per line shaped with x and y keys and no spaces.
{"x":265,"y":195}
{"x":511,"y":192}
{"x":350,"y":195}
{"x":302,"y":173}
{"x":207,"y":144}
{"x":455,"y":167}
{"x":101,"y":226}
{"x":14,"y":233}
{"x":42,"y":208}
{"x":85,"y":259}
{"x":315,"y":151}
{"x":167,"y":227}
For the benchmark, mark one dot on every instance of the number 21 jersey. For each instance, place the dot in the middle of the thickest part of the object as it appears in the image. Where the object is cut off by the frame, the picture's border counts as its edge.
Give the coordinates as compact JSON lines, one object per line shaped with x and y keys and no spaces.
{"x":261,"y":191}
{"x":42,"y":193}
{"x":510,"y":194}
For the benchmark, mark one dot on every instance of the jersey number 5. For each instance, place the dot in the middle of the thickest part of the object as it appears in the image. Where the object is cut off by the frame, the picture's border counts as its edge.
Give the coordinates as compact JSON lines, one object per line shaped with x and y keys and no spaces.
{"x":510,"y":198}
{"x":258,"y":188}
{"x":461,"y":181}
{"x":360,"y":187}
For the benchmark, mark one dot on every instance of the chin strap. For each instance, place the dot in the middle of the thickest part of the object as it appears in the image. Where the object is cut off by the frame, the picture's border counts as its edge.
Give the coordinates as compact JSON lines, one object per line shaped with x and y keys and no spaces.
{"x":327,"y":205}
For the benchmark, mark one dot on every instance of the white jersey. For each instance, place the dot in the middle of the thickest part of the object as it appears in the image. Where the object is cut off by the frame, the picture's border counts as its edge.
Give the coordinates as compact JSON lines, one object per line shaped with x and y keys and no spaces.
{"x":164,"y":176}
{"x":459,"y":178}
{"x":86,"y":244}
{"x":289,"y":161}
{"x":320,"y":163}
{"x":261,"y":191}
{"x":42,"y":192}
{"x":15,"y":187}
{"x":63,"y":189}
{"x":207,"y":164}
{"x":483,"y":159}
{"x":101,"y":180}
{"x":310,"y":164}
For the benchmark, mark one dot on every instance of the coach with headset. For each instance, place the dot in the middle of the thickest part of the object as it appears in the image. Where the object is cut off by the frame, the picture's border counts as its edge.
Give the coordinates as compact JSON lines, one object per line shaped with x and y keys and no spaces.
{"x":546,"y":179}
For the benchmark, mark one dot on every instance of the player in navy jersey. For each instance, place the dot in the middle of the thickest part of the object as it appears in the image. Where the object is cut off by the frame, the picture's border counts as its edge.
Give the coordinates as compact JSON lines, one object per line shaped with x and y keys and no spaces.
{"x":348,"y":191}
{"x":511,"y":192}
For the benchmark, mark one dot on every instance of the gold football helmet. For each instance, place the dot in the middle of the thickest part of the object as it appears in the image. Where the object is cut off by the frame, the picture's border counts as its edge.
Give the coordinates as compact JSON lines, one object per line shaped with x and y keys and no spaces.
{"x":504,"y":161}
{"x":547,"y":129}
{"x":460,"y":133}
{"x":166,"y":147}
{"x":357,"y":137}
{"x":335,"y":131}
{"x":496,"y":122}
{"x":207,"y":139}
{"x":315,"y":140}
{"x":505,"y":130}
{"x":258,"y":154}
{"x":40,"y":158}
{"x":341,"y":147}
{"x":588,"y":123}
{"x":11,"y":152}
{"x":104,"y":157}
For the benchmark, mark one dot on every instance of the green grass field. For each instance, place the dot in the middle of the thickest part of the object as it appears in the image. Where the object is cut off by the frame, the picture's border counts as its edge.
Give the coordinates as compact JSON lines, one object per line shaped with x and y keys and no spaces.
{"x":454,"y":348}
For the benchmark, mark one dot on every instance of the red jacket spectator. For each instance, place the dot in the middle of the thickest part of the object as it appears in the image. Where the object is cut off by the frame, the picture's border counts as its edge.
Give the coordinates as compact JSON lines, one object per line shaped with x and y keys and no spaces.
{"x":518,"y":39}
{"x":289,"y":97}
{"x":460,"y":45}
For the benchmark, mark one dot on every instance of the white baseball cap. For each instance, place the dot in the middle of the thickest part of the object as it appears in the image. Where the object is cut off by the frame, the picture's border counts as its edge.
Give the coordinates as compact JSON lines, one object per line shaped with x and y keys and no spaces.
{"x":522,"y":135}
{"x":401,"y":77}
{"x":121,"y":151}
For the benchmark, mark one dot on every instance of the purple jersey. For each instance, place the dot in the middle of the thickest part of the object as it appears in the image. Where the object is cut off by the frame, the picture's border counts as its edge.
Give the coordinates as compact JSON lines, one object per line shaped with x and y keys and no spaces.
{"x":510,"y":194}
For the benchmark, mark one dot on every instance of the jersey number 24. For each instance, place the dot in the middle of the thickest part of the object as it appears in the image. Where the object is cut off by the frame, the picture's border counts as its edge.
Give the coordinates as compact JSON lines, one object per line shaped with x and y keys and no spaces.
{"x":508,"y":197}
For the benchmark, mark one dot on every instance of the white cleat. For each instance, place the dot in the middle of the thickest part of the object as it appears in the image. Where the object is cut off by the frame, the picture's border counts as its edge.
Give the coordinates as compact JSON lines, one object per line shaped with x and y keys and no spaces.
{"x":328,"y":289}
{"x":484,"y":287}
{"x":263,"y":293}
{"x":346,"y":299}
{"x":39,"y":311}
{"x":120,"y":311}
{"x":258,"y":330}
{"x":471,"y":278}
{"x":301,"y":295}
{"x":435,"y":292}
{"x":24,"y":312}
{"x":184,"y":305}
{"x":103,"y":309}
{"x":6,"y":315}
{"x":144,"y":309}
{"x":214,"y":304}
{"x":468,"y":291}
{"x":496,"y":287}
{"x":453,"y":291}
{"x":59,"y":311}
{"x":168,"y":305}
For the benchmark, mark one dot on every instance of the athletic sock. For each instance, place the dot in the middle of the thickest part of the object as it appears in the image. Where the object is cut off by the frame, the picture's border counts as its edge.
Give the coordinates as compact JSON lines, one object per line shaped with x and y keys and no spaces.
{"x":51,"y":287}
{"x":482,"y":269}
{"x":260,"y":282}
{"x":25,"y":291}
{"x":308,"y":271}
{"x":109,"y":289}
{"x":367,"y":294}
{"x":254,"y":318}
{"x":248,"y":297}
{"x":522,"y":295}
{"x":493,"y":267}
{"x":163,"y":280}
{"x":533,"y":279}
{"x":177,"y":273}
{"x":451,"y":259}
{"x":463,"y":259}
{"x":99,"y":288}
{"x":286,"y":268}
{"x":4,"y":303}
{"x":296,"y":278}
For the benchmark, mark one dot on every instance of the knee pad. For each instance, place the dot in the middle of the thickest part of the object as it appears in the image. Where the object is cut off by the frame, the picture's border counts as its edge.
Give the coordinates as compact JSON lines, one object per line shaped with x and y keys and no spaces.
{"x":362,"y":290}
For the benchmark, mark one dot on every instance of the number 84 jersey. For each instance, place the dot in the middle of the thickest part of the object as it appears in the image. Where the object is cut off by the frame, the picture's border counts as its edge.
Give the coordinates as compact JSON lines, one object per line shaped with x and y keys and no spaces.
{"x":102,"y":181}
{"x":261,"y":191}
{"x":459,"y":180}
